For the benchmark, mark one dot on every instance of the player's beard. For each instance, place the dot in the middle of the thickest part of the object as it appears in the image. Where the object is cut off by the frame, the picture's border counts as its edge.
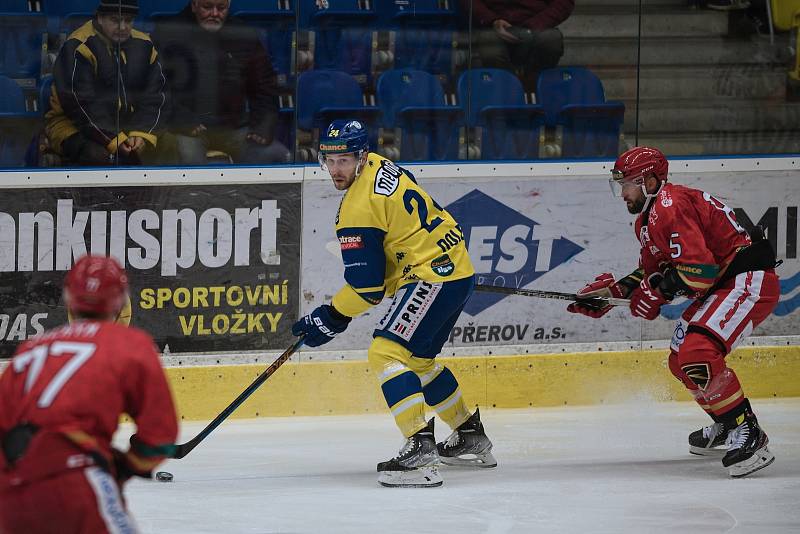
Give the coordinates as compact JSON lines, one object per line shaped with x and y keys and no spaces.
{"x":636,"y":206}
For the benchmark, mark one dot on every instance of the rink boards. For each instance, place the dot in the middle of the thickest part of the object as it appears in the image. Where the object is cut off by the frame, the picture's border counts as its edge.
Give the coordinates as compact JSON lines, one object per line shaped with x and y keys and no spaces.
{"x":222,"y":261}
{"x":516,"y":381}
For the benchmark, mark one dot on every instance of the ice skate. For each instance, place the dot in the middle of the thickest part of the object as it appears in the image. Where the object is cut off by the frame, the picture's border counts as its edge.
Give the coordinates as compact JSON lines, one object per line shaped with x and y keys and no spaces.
{"x":709,"y":441}
{"x":747,"y":448}
{"x":468,"y":445}
{"x":415,"y":466}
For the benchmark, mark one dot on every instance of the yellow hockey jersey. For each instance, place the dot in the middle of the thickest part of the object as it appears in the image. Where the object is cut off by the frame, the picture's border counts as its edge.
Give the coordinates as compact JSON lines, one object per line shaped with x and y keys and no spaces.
{"x":392,"y":233}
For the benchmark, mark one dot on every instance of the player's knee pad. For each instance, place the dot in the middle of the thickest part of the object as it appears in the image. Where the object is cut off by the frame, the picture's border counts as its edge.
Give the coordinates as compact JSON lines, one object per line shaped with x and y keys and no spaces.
{"x":699,"y":360}
{"x":384,"y":354}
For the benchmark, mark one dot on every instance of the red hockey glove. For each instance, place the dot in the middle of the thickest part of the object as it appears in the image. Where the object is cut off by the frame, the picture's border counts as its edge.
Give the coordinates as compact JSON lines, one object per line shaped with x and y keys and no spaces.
{"x":646,"y":300}
{"x":603,"y":286}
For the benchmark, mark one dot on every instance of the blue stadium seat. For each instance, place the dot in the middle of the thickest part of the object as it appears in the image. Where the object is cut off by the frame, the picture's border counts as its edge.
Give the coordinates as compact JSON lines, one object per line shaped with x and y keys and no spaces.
{"x":429,"y":49}
{"x":276,"y":19}
{"x":417,"y":12}
{"x":339,"y":13}
{"x":17,"y":6}
{"x":23,"y":40}
{"x":575,"y":104}
{"x":16,"y":124}
{"x":284,"y":129}
{"x":495,"y":101}
{"x":325,"y":95}
{"x":423,"y":33}
{"x":342,"y":36}
{"x":45,"y":89}
{"x":12,"y":98}
{"x":154,"y":9}
{"x":67,"y":15}
{"x":347,"y":50}
{"x":263,"y":6}
{"x":414,"y":102}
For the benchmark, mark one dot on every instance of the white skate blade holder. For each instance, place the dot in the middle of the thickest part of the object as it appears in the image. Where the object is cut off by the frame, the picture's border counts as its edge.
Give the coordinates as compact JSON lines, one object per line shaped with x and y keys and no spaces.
{"x":714,"y":452}
{"x":484,"y":460}
{"x":421,"y":477}
{"x":760,"y":459}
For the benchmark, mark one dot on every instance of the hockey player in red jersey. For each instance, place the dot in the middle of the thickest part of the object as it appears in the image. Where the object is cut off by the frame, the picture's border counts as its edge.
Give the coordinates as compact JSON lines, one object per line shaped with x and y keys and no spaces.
{"x":61,"y":398}
{"x":692,"y":246}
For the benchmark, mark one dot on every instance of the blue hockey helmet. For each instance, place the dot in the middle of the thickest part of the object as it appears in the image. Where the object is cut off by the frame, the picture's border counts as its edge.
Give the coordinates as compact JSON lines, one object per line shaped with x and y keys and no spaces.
{"x":343,"y":137}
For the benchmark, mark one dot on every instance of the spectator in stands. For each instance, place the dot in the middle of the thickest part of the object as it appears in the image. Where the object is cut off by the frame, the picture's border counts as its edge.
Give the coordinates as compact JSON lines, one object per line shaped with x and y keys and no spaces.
{"x":223,"y":89}
{"x":105,"y":110}
{"x":518,"y":35}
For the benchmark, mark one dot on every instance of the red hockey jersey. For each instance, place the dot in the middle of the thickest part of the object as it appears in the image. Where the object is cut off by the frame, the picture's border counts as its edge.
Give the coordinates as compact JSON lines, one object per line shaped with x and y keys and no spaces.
{"x":73,"y":383}
{"x":691,"y":231}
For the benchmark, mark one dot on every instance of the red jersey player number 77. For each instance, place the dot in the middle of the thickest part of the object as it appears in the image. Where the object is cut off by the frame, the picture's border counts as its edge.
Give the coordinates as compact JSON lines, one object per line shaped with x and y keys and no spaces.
{"x":692,"y":246}
{"x":60,"y":401}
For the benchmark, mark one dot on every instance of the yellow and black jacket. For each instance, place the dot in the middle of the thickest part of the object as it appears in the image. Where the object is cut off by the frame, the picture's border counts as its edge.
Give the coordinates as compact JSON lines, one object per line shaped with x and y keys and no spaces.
{"x":106,"y":92}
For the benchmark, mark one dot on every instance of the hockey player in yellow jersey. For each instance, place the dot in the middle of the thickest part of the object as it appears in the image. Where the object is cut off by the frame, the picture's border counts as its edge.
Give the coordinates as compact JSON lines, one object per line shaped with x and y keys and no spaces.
{"x":397,"y":242}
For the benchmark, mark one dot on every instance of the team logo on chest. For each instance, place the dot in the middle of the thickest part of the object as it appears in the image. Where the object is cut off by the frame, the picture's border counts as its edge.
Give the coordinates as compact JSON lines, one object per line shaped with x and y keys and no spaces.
{"x":652,"y":217}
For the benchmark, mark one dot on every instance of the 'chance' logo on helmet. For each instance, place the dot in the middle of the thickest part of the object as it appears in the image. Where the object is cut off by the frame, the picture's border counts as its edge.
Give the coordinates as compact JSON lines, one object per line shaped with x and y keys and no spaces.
{"x":331,"y":148}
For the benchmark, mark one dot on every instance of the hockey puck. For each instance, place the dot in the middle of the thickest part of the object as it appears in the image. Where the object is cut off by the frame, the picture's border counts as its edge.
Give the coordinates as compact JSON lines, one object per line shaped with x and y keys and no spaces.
{"x":164,"y":476}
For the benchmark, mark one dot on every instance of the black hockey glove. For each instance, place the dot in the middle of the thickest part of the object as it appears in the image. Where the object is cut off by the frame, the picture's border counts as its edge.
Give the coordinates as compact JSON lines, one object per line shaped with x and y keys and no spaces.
{"x":321,"y":325}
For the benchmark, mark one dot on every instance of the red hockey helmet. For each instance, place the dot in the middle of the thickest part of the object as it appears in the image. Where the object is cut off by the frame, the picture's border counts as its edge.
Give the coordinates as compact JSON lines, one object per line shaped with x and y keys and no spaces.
{"x":96,"y":285}
{"x":638,"y":162}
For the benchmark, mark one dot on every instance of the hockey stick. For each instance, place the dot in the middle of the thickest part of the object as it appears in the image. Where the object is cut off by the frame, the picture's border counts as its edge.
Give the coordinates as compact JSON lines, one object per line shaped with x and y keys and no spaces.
{"x":183,"y":449}
{"x":598,"y":302}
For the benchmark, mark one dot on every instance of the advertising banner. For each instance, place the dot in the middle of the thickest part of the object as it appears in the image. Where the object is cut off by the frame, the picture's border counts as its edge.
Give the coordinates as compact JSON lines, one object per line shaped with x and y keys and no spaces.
{"x":554,"y":233}
{"x":211,"y":267}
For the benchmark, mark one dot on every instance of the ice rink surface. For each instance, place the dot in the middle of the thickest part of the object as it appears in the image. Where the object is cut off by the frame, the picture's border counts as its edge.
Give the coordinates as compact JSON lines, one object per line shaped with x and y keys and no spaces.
{"x":605,"y":469}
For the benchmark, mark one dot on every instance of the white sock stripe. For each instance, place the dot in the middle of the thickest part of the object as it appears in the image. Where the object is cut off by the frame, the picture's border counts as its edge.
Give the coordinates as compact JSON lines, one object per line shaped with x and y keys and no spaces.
{"x":392,"y":370}
{"x":109,"y":502}
{"x":406,"y":404}
{"x":447,"y":404}
{"x":427,"y":378}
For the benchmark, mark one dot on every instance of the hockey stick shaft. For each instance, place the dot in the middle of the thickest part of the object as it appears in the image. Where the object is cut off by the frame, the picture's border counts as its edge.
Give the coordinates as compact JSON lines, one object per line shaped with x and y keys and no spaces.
{"x":183,"y":449}
{"x":542,"y":294}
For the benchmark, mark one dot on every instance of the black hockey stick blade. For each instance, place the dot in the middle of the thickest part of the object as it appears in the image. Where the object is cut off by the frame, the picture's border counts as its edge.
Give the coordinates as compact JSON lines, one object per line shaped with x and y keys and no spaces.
{"x":183,"y":449}
{"x":599,"y":302}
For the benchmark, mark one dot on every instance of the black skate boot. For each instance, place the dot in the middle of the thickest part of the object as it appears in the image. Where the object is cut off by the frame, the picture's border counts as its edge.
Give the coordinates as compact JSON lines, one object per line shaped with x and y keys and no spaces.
{"x":709,"y":440}
{"x":468,"y":445}
{"x":747,"y":447}
{"x":415,"y":466}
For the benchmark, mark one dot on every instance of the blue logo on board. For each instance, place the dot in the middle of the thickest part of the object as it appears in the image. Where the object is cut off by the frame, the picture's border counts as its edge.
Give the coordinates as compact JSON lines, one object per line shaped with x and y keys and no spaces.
{"x":506,"y":247}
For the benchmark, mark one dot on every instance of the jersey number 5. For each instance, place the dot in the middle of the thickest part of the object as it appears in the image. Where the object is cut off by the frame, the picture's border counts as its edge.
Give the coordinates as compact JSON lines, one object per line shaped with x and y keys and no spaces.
{"x":36,"y":357}
{"x":422,"y":209}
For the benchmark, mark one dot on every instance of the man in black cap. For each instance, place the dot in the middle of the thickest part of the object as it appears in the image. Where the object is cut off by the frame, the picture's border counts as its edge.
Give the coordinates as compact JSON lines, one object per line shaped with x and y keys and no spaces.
{"x":223,"y":88}
{"x":108,"y":93}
